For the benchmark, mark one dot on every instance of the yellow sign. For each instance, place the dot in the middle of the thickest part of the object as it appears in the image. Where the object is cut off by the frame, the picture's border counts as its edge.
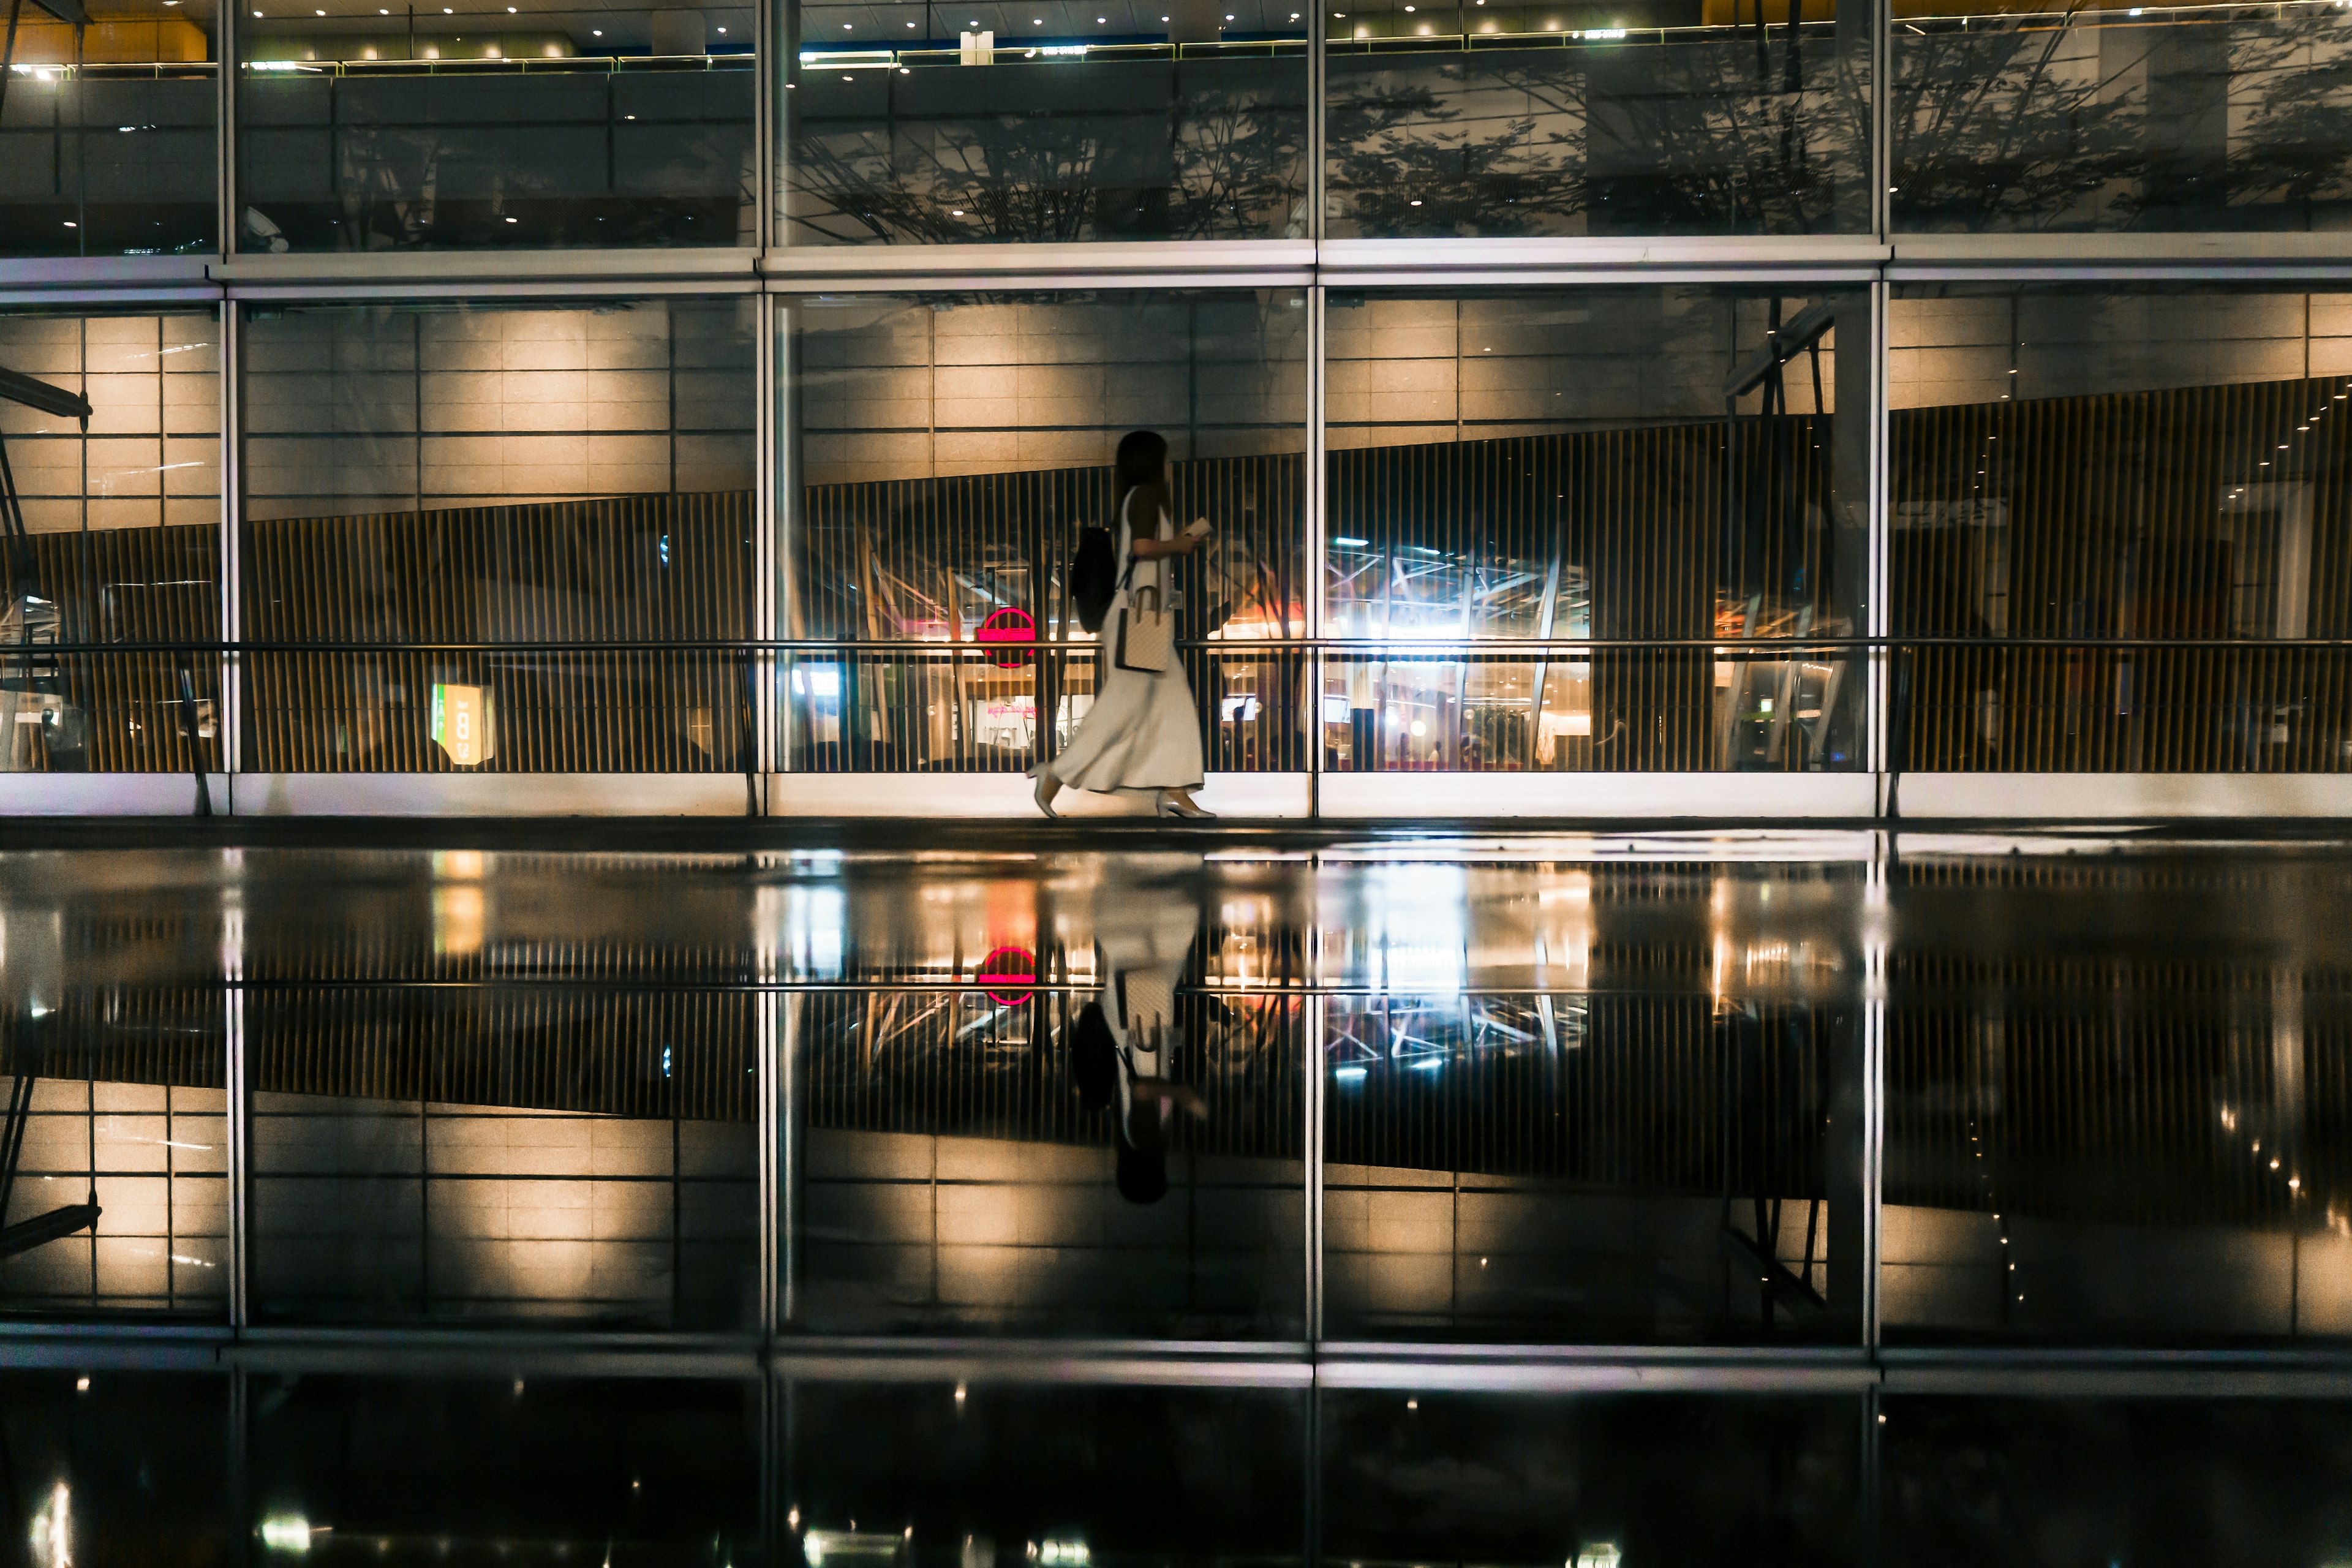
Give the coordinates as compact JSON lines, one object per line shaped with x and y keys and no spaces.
{"x":462,"y":721}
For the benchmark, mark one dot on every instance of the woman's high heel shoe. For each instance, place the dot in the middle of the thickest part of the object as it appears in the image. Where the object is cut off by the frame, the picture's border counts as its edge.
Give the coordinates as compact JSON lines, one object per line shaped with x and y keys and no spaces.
{"x":1171,"y":804}
{"x":1048,"y":786}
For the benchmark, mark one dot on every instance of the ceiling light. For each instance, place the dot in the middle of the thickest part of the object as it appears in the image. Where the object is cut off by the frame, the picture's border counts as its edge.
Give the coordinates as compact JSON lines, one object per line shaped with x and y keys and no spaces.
{"x":510,"y":220}
{"x":722,"y":29}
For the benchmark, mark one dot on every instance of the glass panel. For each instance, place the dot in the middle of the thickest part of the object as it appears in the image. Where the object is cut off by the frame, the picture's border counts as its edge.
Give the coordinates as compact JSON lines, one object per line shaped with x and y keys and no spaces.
{"x":480,"y":125}
{"x":2117,"y":1481}
{"x":1590,"y":1481}
{"x":1650,"y":468}
{"x":2166,"y":1167}
{"x":951,"y":448}
{"x":1014,"y":1474}
{"x":119,"y":541}
{"x":551,"y":1155}
{"x":1556,"y":1124}
{"x":484,"y":1469}
{"x":108,"y":132}
{"x":906,"y":123}
{"x":464,"y":477}
{"x":1610,"y":710}
{"x":2200,"y":116}
{"x":113,"y":1071}
{"x":117,"y":1466}
{"x":1534,"y":119}
{"x":958,"y":1179}
{"x":2160,"y":464}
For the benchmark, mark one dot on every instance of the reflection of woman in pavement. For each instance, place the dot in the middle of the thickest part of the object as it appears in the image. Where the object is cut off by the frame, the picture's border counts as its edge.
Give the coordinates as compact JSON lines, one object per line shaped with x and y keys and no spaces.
{"x":1123,"y":1044}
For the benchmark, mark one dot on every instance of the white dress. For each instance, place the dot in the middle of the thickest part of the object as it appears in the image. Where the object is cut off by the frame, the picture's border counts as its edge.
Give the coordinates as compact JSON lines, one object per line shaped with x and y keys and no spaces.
{"x":1142,"y":732}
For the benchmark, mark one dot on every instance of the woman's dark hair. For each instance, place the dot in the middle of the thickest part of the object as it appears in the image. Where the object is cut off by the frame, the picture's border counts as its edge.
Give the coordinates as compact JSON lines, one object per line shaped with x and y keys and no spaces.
{"x":1143,"y":1174}
{"x":1142,"y":460}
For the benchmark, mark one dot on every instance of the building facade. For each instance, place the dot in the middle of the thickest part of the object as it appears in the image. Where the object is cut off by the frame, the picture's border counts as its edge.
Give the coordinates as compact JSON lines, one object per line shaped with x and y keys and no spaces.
{"x":1650,"y":409}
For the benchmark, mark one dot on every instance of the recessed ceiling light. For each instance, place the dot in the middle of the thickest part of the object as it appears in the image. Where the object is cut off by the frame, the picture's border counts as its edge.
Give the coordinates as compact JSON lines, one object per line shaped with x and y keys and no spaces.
{"x":510,"y":220}
{"x":722,"y":29}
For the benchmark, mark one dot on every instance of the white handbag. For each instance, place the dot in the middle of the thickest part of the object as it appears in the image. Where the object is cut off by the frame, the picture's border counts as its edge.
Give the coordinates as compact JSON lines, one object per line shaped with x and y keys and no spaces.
{"x":1147,"y":634}
{"x":1145,"y":638}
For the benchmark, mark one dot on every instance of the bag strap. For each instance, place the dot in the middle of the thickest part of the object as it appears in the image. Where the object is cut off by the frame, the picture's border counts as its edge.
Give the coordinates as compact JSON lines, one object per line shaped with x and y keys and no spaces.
{"x":1127,"y":578}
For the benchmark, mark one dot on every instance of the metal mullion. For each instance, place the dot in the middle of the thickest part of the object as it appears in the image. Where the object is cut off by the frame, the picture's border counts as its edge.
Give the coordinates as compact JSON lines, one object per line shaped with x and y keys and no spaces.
{"x":767,"y":1008}
{"x":766,"y":526}
{"x":1313,"y":1015}
{"x":224,"y":27}
{"x":229,"y":719}
{"x":1315,"y":543}
{"x":239,"y":1116}
{"x":786,"y":1152}
{"x":1317,"y":91}
{"x":1879,"y":503}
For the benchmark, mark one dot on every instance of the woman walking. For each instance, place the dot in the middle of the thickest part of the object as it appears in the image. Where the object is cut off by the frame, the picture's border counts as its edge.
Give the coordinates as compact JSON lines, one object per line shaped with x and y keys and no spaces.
{"x":1142,"y":732}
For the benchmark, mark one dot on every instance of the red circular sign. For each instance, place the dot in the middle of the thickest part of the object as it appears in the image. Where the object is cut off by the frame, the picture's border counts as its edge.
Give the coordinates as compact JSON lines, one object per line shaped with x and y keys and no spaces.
{"x":1014,"y":968}
{"x":1007,"y":629}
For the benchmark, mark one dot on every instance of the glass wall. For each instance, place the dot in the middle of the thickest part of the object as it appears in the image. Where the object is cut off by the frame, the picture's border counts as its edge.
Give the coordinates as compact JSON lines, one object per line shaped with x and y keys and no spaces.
{"x":908,"y":123}
{"x":2155,"y":476}
{"x":109,"y":131}
{"x":2197,"y":116}
{"x":947,"y":452}
{"x":488,"y":126}
{"x":1513,"y":118}
{"x":111,"y":453}
{"x":430,"y":482}
{"x":1672,"y":477}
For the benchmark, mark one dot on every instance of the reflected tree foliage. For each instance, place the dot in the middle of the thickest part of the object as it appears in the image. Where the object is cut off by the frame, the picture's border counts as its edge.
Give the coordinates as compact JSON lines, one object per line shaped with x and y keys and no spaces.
{"x":1189,"y":150}
{"x":2080,"y":119}
{"x":1730,"y":134}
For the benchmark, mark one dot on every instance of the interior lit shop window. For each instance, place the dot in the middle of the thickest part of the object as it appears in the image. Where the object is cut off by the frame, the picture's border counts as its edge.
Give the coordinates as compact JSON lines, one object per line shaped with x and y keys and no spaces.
{"x":111,"y":535}
{"x":2116,"y":116}
{"x":483,"y":125}
{"x":1671,"y":478}
{"x":465,"y":477}
{"x":1523,"y":117}
{"x":925,"y":121}
{"x":950,"y":449}
{"x":2152,"y":482}
{"x":107,"y":132}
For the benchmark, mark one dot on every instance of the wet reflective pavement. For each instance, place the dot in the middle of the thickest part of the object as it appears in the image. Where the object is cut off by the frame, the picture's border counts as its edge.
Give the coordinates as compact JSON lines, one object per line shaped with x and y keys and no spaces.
{"x":1663,"y":1198}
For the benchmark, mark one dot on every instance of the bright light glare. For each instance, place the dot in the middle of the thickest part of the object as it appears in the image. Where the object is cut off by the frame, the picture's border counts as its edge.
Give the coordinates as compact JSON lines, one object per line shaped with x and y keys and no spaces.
{"x":286,"y":1533}
{"x":53,"y":1528}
